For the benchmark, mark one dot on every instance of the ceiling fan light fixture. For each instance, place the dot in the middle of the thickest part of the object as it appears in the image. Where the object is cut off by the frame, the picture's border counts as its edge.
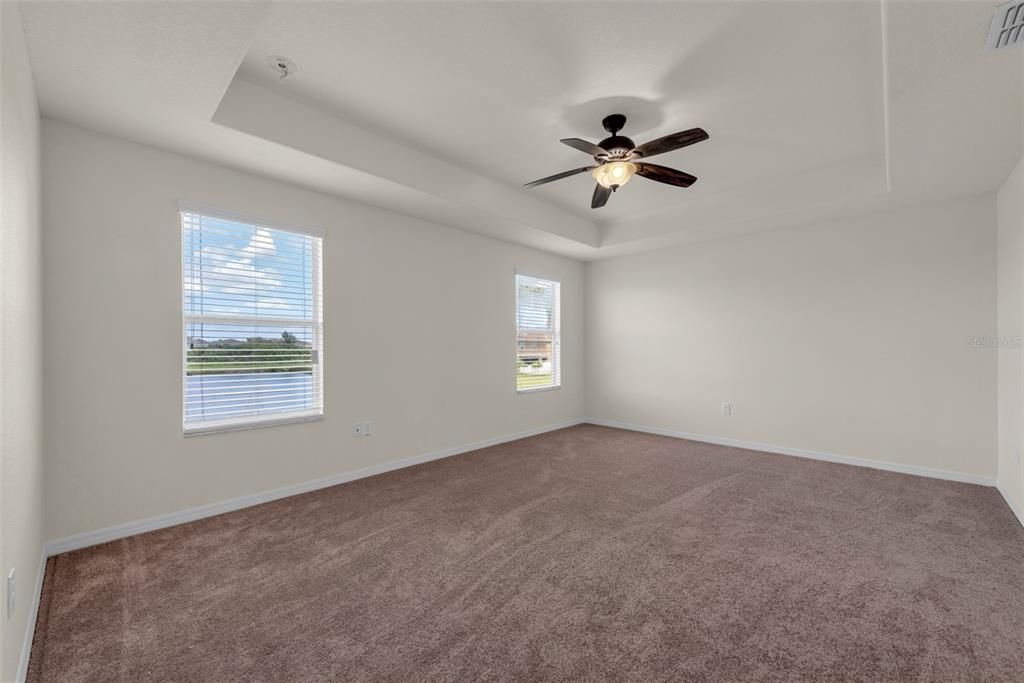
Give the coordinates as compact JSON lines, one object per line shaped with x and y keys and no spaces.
{"x":614,"y":174}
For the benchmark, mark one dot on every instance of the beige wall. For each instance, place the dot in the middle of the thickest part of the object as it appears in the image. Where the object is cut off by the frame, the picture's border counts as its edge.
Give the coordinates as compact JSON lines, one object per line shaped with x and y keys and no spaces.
{"x":1010,"y":202}
{"x":849,"y":338}
{"x":399,"y":295}
{"x":21,"y":452}
{"x":1010,"y":218}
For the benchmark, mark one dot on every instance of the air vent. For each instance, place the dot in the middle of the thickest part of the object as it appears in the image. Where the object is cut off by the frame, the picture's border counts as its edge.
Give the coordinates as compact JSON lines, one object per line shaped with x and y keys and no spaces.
{"x":1007,"y":26}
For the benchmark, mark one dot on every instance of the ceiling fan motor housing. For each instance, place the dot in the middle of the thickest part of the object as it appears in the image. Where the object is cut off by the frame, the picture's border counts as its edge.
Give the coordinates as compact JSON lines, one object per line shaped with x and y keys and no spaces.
{"x":617,"y":146}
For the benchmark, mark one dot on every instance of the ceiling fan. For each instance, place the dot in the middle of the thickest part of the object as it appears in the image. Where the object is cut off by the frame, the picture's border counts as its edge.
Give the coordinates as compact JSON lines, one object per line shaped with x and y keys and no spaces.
{"x":617,"y":159}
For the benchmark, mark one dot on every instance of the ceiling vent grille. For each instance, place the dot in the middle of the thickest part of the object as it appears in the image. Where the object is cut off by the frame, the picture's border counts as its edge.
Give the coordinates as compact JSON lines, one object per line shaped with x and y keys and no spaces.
{"x":1007,"y":26}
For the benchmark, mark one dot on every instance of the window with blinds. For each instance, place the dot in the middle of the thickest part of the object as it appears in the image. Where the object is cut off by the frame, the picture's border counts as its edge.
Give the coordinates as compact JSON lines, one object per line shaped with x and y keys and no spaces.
{"x":253,"y":324}
{"x":538,"y":346}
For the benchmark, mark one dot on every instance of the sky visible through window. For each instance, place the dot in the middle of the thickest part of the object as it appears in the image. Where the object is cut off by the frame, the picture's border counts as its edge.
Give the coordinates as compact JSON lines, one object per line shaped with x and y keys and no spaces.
{"x":250,"y":272}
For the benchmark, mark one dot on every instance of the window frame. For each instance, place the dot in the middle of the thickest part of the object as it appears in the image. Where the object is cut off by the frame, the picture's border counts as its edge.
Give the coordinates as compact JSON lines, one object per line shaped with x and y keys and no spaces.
{"x":556,"y":335}
{"x":271,"y":419}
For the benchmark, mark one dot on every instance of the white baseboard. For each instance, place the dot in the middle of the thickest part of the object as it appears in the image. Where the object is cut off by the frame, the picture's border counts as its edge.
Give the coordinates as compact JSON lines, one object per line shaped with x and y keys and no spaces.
{"x":33,"y":613}
{"x":1017,"y":510}
{"x":89,"y":538}
{"x":802,"y":453}
{"x":112,"y":533}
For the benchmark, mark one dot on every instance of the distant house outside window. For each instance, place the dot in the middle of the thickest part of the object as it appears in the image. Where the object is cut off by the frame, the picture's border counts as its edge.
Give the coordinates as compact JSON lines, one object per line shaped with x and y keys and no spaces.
{"x":538,"y":342}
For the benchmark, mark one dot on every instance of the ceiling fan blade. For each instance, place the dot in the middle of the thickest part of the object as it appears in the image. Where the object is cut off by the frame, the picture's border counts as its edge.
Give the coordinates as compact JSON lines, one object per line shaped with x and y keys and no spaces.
{"x":671,"y":142}
{"x":601,"y":195}
{"x":664,"y":174}
{"x":559,"y":176}
{"x":585,"y":147}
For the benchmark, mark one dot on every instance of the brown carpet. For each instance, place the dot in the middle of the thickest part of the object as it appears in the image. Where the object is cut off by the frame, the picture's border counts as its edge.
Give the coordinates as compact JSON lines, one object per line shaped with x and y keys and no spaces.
{"x":587,"y":553}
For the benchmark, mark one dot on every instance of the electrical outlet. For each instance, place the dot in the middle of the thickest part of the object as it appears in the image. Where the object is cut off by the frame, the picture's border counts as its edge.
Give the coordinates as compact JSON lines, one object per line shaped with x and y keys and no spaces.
{"x":10,"y":594}
{"x":357,"y":430}
{"x":726,"y":408}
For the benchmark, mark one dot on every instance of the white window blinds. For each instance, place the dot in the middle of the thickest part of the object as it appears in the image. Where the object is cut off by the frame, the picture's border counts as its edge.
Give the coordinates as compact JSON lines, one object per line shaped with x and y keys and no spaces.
{"x":538,"y":343}
{"x":253,"y":324}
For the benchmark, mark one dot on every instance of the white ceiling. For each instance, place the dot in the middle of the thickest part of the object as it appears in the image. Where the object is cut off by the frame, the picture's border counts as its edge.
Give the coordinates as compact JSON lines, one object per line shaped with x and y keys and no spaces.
{"x":443,"y":110}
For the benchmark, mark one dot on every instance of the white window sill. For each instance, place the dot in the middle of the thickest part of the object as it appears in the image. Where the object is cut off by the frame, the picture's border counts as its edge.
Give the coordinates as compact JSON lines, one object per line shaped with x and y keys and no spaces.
{"x":534,"y":390}
{"x":218,"y":428}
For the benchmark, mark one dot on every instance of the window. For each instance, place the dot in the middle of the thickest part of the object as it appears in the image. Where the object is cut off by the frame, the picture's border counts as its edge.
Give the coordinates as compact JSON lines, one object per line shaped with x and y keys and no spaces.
{"x":253,"y":324}
{"x":538,"y":354}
